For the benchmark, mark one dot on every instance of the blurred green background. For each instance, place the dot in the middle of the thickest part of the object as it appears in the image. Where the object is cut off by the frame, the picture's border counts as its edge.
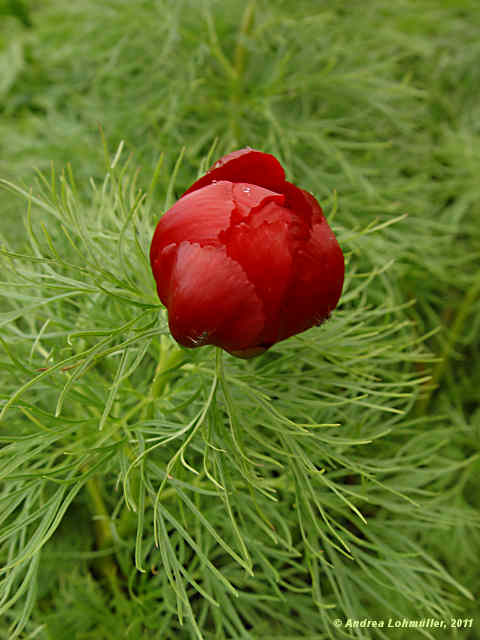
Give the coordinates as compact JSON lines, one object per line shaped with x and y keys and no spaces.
{"x":376,"y":103}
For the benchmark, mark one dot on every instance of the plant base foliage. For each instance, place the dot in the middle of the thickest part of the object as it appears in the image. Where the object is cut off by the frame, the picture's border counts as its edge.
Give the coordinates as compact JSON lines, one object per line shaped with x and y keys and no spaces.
{"x":149,"y":490}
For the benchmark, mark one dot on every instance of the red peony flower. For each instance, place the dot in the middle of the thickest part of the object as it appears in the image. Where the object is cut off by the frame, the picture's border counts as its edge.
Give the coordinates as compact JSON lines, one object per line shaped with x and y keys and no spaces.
{"x":244,"y":258}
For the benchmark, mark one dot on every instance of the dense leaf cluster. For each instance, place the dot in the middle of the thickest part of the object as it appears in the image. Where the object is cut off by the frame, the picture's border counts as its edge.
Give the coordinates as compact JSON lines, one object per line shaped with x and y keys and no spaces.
{"x":152,"y":490}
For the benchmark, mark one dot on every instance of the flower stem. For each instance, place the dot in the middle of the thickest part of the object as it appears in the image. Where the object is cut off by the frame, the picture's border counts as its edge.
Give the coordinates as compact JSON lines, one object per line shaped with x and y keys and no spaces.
{"x":103,"y":534}
{"x":169,"y":357}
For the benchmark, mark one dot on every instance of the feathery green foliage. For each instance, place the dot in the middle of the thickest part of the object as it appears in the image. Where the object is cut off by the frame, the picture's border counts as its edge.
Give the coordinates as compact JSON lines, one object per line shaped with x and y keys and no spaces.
{"x":151,"y":490}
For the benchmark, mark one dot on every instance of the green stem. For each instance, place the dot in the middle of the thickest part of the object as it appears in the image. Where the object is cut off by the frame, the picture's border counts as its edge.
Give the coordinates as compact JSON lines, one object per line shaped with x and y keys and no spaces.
{"x":219,"y":363}
{"x":169,"y":358}
{"x":103,"y":534}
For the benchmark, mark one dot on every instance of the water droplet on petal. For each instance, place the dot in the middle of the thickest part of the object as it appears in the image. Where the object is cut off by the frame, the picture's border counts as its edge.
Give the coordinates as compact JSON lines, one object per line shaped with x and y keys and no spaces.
{"x":246,"y":189}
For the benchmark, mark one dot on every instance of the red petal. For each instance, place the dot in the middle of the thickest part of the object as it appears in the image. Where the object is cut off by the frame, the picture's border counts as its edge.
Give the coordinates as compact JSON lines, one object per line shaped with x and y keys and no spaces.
{"x":198,"y":217}
{"x":299,"y":231}
{"x":264,"y":246}
{"x":316,"y":286}
{"x":245,"y":165}
{"x":303,"y":203}
{"x":249,"y":198}
{"x":212,"y":301}
{"x":162,"y":266}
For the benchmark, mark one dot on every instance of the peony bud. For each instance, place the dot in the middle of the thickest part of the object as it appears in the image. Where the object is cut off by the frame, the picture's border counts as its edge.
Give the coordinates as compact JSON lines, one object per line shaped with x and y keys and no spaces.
{"x":244,"y":258}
